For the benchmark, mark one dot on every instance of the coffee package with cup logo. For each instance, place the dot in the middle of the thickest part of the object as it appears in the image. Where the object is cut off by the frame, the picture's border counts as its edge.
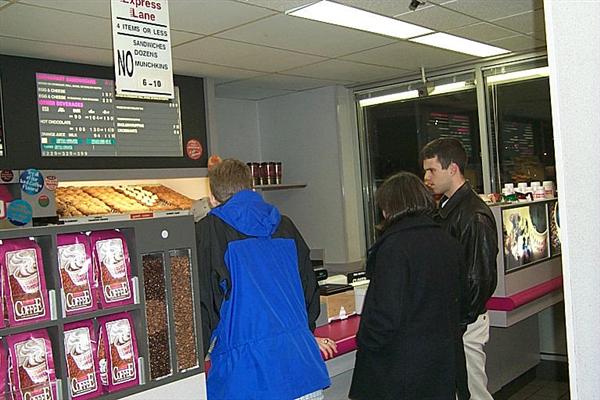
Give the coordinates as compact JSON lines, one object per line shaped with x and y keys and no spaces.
{"x":31,"y":366}
{"x":24,"y":282}
{"x":76,"y":273}
{"x":120,"y":351}
{"x":82,"y":362}
{"x":113,"y":267}
{"x":4,"y":386}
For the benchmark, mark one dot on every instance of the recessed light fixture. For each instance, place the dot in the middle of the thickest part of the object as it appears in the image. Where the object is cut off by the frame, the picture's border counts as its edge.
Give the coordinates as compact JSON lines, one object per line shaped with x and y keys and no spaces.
{"x":388,"y":98}
{"x":451,"y":87}
{"x":459,"y":44}
{"x":350,"y":17}
{"x":519,"y":75}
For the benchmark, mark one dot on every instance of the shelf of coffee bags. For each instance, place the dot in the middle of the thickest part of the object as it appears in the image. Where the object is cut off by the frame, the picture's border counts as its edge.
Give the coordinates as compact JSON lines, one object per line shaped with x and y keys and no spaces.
{"x":102,"y":313}
{"x":124,"y":217}
{"x":170,"y":239}
{"x":280,"y":186}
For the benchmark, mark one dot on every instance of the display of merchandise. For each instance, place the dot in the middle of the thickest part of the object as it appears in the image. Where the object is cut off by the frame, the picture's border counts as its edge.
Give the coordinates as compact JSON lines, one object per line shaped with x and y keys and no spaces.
{"x":76,"y":273}
{"x":156,"y":315}
{"x":181,"y":282}
{"x":107,"y":339}
{"x":113,"y":265}
{"x":72,"y":201}
{"x":24,"y":282}
{"x":82,"y":361}
{"x":118,"y":352}
{"x":31,"y":366}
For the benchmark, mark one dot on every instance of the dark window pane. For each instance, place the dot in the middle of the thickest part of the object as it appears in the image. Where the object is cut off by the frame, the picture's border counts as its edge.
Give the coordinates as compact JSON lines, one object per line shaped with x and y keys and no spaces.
{"x":522,"y":124}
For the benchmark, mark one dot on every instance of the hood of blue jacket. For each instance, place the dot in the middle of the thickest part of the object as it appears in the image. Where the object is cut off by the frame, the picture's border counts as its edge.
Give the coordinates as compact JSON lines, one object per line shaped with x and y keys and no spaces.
{"x":248,"y":213}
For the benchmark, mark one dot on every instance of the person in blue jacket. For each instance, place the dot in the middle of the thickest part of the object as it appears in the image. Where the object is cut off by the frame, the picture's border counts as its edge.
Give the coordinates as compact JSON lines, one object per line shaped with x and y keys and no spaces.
{"x":259,"y":297}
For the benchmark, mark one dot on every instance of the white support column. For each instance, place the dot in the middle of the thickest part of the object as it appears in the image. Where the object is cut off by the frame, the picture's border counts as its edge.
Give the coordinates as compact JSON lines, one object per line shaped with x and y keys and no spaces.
{"x":573,"y":37}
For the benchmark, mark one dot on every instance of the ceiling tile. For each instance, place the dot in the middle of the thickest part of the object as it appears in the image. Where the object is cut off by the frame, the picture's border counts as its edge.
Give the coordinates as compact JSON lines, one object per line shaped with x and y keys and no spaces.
{"x":436,"y":18}
{"x":345,"y":70}
{"x":224,"y":74}
{"x":179,"y":37}
{"x":288,"y":82}
{"x":482,"y":32}
{"x":489,"y":9}
{"x":234,"y":54}
{"x":210,"y":16}
{"x":307,"y":36}
{"x":233,"y":91}
{"x":96,"y":8}
{"x":383,"y":7}
{"x":409,"y":56}
{"x":528,"y":22}
{"x":519,"y":43}
{"x":55,"y":26}
{"x":277,"y":5}
{"x":51,"y":51}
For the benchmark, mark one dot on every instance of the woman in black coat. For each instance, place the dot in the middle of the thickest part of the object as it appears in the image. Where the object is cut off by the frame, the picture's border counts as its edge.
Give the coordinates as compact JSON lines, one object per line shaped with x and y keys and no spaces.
{"x":408,"y":332}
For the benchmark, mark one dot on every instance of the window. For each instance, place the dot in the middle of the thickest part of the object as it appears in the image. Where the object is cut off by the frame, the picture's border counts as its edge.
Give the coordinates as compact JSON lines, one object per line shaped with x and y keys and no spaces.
{"x":521,"y":124}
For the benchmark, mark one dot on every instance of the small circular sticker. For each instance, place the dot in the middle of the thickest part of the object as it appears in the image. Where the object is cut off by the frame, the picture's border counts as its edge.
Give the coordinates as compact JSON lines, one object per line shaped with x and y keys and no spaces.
{"x":19,"y":212}
{"x":32,"y":181}
{"x":51,"y":182}
{"x":6,"y":175}
{"x":193,"y":149}
{"x":43,"y":200}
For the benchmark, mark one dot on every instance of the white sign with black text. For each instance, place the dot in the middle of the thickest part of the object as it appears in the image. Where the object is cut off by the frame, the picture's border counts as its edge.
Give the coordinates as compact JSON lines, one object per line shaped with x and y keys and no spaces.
{"x":142,"y":49}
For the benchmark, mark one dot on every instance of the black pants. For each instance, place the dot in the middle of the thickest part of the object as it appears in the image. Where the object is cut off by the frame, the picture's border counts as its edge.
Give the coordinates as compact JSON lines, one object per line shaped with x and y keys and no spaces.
{"x":462,"y":384}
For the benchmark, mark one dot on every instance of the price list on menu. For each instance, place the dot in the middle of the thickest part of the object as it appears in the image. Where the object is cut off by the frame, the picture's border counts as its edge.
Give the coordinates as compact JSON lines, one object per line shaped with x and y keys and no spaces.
{"x":80,"y":117}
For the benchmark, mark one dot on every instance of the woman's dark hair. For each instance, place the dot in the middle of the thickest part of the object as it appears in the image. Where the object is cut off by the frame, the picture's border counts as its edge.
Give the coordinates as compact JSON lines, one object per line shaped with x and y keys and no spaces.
{"x":401,"y":195}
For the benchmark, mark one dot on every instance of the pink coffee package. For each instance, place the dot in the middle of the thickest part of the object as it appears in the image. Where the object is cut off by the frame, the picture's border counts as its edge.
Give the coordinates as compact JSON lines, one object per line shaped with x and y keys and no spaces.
{"x":31,"y":366}
{"x":25,"y":289}
{"x":113,"y":265}
{"x":118,"y":352}
{"x":76,"y":273}
{"x":4,"y":386}
{"x":82,"y":362}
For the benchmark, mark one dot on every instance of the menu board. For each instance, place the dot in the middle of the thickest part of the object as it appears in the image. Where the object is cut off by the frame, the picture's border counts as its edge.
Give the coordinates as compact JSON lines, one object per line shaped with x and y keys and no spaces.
{"x":80,"y":117}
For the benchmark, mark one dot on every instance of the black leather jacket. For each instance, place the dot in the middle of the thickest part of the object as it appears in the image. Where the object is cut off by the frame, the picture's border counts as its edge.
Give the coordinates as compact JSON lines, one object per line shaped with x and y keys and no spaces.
{"x":466,"y":217}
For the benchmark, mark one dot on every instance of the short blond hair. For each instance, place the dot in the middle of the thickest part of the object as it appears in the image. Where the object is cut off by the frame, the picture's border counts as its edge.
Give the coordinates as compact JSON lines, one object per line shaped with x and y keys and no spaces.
{"x":229,"y":177}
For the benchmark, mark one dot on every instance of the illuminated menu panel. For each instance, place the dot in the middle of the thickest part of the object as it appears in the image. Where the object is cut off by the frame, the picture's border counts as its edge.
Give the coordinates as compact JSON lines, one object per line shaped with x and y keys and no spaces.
{"x":80,"y":117}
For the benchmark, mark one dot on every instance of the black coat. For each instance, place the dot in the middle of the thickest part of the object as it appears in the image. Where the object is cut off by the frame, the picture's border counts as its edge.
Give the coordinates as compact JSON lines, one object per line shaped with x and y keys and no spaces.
{"x":408,"y":332}
{"x":467,"y":218}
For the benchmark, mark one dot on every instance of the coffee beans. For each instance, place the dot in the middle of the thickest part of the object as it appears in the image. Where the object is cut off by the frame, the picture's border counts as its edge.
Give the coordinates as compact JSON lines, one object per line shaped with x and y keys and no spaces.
{"x":185,"y":335}
{"x":156,"y":315}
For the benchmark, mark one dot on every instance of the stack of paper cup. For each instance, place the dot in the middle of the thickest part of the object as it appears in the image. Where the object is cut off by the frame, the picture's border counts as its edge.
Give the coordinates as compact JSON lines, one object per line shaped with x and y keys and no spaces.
{"x":549,"y":189}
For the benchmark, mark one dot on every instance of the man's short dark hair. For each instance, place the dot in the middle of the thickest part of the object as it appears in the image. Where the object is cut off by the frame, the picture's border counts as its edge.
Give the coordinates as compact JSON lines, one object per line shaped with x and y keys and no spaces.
{"x":401,"y":195}
{"x":447,"y":151}
{"x":229,"y":177}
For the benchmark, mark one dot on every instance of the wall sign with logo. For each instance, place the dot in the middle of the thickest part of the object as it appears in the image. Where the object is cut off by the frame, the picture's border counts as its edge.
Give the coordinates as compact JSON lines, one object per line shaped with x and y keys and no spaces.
{"x":142,"y":49}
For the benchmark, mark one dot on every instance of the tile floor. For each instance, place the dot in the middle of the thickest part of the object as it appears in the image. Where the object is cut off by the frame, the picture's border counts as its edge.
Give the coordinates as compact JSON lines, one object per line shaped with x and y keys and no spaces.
{"x":549,"y":381}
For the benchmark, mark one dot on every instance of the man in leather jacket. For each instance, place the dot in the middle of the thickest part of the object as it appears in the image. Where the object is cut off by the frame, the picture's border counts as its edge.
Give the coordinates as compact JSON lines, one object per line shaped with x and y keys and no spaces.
{"x":466,"y":217}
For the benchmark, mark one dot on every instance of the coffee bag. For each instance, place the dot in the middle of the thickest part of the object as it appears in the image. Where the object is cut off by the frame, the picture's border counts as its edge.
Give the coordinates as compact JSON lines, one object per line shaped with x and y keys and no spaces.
{"x":76,"y":273}
{"x":82,"y":362}
{"x":111,"y":258}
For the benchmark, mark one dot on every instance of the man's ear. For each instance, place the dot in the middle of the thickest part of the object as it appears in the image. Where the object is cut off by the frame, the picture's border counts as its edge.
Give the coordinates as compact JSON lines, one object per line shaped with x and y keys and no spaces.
{"x":213,"y":201}
{"x":453,"y":168}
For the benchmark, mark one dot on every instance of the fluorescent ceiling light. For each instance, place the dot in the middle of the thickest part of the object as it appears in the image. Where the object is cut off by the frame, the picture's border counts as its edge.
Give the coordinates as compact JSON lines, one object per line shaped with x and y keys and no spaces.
{"x":517,"y":75}
{"x":459,"y":44}
{"x":339,"y":14}
{"x":451,"y":87}
{"x":388,"y":98}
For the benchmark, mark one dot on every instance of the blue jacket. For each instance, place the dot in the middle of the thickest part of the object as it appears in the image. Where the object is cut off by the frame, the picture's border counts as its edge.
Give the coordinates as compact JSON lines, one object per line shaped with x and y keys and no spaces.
{"x":264,"y":348}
